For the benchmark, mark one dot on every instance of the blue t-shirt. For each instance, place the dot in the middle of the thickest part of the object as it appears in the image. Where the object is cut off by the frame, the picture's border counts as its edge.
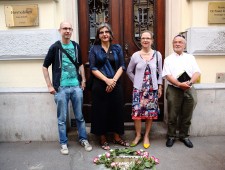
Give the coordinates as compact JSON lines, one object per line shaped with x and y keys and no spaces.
{"x":69,"y":72}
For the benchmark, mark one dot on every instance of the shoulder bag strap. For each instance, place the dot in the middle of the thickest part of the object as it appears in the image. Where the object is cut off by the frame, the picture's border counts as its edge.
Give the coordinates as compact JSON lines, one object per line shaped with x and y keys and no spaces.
{"x":157,"y":64}
{"x":70,"y":58}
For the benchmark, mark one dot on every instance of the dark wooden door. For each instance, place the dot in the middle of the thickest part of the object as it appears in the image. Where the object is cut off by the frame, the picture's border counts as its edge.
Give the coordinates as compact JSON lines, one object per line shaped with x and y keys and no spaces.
{"x":124,"y":17}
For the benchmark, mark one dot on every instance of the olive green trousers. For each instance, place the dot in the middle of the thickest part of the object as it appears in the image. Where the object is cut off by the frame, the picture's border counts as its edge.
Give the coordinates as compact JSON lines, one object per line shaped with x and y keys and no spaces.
{"x":180,"y":105}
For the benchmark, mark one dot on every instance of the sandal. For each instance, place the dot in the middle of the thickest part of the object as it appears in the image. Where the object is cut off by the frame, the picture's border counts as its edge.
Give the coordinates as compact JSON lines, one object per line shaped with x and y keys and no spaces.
{"x":121,"y":142}
{"x":105,"y":146}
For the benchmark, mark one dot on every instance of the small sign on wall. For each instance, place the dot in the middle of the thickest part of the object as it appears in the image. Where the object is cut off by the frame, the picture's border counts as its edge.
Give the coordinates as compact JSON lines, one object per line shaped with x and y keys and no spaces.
{"x":21,"y":15}
{"x":216,"y":13}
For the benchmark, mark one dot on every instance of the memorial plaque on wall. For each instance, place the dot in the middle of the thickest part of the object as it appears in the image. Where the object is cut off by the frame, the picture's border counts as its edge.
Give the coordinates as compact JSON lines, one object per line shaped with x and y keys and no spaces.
{"x":21,"y":15}
{"x":216,"y":13}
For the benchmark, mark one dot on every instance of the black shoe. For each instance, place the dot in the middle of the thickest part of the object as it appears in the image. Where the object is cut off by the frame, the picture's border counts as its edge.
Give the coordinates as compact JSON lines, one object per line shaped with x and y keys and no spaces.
{"x":170,"y":142}
{"x":187,"y":142}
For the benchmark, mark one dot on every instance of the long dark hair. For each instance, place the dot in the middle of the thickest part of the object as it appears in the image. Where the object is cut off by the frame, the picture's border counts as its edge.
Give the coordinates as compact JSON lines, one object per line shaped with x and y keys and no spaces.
{"x":102,"y":25}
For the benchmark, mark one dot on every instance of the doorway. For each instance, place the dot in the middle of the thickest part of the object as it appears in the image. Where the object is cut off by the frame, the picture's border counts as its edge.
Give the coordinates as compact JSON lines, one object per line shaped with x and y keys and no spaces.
{"x":127,"y":19}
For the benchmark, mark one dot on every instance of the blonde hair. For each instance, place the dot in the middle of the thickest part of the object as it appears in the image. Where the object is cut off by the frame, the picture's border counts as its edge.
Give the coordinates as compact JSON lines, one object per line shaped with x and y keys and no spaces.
{"x":147,"y":31}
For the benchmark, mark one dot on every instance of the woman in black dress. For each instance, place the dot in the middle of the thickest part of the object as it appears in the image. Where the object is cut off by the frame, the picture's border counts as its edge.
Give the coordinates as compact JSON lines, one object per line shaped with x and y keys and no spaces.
{"x":107,"y":65}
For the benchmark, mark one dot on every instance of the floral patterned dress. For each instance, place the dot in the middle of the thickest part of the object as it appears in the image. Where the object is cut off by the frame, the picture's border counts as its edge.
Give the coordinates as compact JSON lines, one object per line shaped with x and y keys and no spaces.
{"x":145,"y":101}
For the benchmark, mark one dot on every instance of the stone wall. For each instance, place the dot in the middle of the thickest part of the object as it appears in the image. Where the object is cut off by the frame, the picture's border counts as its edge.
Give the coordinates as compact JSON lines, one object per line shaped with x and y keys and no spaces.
{"x":209,"y":114}
{"x":206,"y":41}
{"x":26,"y":44}
{"x":30,"y":114}
{"x":27,"y":115}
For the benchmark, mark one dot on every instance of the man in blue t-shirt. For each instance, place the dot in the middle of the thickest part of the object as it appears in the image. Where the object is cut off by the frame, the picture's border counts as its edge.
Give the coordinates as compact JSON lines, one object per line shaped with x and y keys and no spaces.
{"x":65,"y":84}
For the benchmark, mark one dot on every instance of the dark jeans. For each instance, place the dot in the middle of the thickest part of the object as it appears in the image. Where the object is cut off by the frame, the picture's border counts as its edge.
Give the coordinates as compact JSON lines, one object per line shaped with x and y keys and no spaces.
{"x":180,"y":105}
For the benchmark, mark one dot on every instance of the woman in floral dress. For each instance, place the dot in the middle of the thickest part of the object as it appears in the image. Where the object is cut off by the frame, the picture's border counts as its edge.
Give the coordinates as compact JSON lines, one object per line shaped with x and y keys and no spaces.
{"x":145,"y":71}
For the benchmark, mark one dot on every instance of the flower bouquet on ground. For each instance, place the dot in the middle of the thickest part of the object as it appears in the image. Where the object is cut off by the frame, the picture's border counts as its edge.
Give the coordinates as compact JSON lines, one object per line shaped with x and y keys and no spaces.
{"x":127,"y":159}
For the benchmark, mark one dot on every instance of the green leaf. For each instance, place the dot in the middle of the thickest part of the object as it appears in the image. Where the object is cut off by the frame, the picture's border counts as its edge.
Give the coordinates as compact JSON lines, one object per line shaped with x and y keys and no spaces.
{"x":153,"y":168}
{"x":148,"y":164}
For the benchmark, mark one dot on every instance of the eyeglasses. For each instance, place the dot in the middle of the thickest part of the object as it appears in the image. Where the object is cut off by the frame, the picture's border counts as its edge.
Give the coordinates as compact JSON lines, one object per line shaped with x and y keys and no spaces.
{"x":66,"y":28}
{"x":102,"y":32}
{"x":147,"y":38}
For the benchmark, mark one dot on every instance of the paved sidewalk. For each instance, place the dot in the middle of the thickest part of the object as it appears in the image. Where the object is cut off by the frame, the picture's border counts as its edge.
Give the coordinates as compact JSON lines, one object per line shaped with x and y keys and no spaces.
{"x":208,"y":154}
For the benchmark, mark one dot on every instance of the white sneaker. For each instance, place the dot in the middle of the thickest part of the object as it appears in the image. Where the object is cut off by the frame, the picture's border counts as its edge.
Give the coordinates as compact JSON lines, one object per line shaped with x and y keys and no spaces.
{"x":64,"y":150}
{"x":86,"y":145}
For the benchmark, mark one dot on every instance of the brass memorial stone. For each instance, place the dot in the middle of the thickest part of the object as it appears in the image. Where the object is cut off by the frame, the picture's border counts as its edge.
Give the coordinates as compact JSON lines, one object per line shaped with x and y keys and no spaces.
{"x":216,"y":13}
{"x":21,"y":15}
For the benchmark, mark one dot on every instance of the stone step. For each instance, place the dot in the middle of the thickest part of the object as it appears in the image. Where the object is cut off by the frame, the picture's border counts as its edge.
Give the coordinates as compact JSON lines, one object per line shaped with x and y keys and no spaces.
{"x":158,"y":129}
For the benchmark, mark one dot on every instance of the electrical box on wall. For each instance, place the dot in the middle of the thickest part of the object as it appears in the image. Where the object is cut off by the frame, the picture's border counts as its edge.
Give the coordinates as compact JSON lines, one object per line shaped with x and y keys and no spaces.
{"x":220,"y":77}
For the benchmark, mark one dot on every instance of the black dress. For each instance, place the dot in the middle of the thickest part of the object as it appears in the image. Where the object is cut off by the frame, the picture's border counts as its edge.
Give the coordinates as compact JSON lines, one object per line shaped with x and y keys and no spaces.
{"x":107,"y":108}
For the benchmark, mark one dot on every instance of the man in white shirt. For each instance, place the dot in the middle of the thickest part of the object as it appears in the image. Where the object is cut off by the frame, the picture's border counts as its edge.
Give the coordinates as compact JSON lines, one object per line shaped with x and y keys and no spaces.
{"x":180,"y":94}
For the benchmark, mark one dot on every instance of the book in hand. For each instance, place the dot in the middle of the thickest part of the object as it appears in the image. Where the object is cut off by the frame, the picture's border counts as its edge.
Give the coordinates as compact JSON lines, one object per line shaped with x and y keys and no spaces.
{"x":184,"y":77}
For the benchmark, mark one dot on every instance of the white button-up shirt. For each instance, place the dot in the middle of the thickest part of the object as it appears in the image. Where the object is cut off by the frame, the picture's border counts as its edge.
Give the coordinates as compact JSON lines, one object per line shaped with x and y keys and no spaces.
{"x":176,"y":64}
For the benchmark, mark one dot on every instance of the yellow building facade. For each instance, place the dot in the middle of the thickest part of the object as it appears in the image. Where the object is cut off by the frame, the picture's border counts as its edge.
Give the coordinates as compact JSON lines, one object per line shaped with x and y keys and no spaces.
{"x":181,"y":15}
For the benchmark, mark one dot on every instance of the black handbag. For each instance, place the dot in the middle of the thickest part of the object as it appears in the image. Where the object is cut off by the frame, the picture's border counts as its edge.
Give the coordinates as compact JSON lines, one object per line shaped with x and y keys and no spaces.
{"x":71,"y":59}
